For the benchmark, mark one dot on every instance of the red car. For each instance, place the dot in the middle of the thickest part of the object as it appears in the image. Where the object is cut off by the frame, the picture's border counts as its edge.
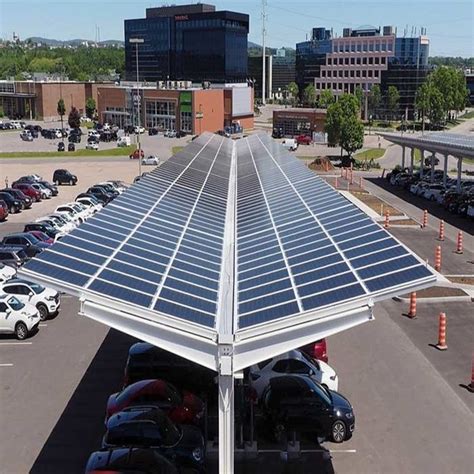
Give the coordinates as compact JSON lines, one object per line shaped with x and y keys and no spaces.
{"x":316,"y":350}
{"x":303,"y":140}
{"x":135,"y":154}
{"x":29,"y":190}
{"x":42,"y":236}
{"x":3,"y":211}
{"x":181,"y":407}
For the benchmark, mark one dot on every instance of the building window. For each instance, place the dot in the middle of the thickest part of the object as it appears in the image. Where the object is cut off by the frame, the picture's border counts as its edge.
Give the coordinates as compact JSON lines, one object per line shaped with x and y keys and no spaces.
{"x":382,"y":60}
{"x":329,"y":61}
{"x":340,"y":73}
{"x":346,"y":60}
{"x":376,"y":74}
{"x":186,"y":122}
{"x":364,"y":60}
{"x":346,"y":73}
{"x":352,"y":72}
{"x":352,"y":61}
{"x":358,"y":60}
{"x":377,"y":60}
{"x":371,"y":60}
{"x":358,"y":73}
{"x":370,"y":72}
{"x":364,"y":73}
{"x":359,"y":47}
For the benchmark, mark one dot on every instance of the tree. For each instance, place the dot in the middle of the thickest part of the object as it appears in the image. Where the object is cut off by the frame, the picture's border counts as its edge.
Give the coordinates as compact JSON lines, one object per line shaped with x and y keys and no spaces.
{"x":375,"y":98}
{"x":74,"y":119}
{"x":359,"y":94}
{"x":422,"y":101}
{"x":393,"y":98}
{"x":61,"y":109}
{"x":90,"y":107}
{"x":326,"y":99}
{"x":309,"y":95}
{"x":293,"y":90}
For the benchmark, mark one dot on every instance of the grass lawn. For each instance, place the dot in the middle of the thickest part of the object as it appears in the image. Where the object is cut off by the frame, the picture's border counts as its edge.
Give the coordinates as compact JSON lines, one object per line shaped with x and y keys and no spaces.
{"x":176,"y":149}
{"x":119,"y":151}
{"x":370,"y":154}
{"x":468,"y":115}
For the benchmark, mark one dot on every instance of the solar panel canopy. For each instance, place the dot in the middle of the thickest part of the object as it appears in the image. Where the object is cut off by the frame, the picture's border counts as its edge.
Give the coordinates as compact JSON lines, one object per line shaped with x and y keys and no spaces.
{"x":234,"y":236}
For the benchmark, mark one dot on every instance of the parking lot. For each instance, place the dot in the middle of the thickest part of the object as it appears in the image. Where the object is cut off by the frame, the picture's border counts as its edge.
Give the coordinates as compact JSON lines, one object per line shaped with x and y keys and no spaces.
{"x":413,"y":414}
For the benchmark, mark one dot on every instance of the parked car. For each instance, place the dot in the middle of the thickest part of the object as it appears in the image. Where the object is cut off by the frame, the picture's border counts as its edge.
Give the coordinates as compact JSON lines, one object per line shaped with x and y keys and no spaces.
{"x":181,"y":407}
{"x":316,"y":350}
{"x":109,"y":188}
{"x":14,"y":205}
{"x":18,"y":194}
{"x":153,"y":131}
{"x":298,"y":403}
{"x":17,"y":318}
{"x":42,"y":236}
{"x":52,"y":187}
{"x":129,"y":460}
{"x":146,"y":361}
{"x":290,"y":144}
{"x":71,"y":147}
{"x":13,"y":256}
{"x":6,"y":272}
{"x":62,"y":221}
{"x":93,"y":203}
{"x":61,"y":146}
{"x":45,"y":300}
{"x":74,"y":138}
{"x":137,"y":154}
{"x":43,"y":190}
{"x":28,"y":190}
{"x":3,"y":211}
{"x":30,"y":178}
{"x":43,"y":227}
{"x":102,"y":198}
{"x":292,"y":362}
{"x":151,"y":160}
{"x":150,"y":428}
{"x":138,"y":129}
{"x":26,"y":136}
{"x":303,"y":140}
{"x":63,"y":176}
{"x":432,"y":191}
{"x":101,"y":194}
{"x":75,"y":212}
{"x":28,"y":242}
{"x":124,"y":141}
{"x":92,"y":146}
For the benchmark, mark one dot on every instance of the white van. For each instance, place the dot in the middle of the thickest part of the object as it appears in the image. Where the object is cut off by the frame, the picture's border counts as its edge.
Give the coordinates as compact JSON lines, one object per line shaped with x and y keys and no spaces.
{"x":290,"y":144}
{"x":124,"y":141}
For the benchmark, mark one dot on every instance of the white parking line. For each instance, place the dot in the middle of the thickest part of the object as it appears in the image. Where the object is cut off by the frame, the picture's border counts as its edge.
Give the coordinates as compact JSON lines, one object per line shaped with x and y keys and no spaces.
{"x":15,"y":343}
{"x":43,"y":325}
{"x":6,"y":365}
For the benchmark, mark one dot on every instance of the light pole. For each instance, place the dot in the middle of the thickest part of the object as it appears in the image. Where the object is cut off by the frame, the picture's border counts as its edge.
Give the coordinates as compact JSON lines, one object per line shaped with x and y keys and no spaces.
{"x":136,"y":42}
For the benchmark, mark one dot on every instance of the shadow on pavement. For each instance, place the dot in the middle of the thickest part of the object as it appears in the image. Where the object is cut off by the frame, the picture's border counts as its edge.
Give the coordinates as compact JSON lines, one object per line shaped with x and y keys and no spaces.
{"x":433,"y":208}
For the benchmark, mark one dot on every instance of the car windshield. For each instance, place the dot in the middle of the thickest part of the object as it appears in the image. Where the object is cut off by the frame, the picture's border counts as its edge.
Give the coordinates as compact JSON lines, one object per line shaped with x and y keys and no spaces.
{"x":322,"y":392}
{"x":37,"y":289}
{"x":15,"y":304}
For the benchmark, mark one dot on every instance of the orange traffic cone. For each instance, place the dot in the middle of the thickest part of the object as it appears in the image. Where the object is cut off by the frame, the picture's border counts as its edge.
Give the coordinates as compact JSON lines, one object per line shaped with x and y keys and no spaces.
{"x":437,"y":263}
{"x":412,"y":311}
{"x":442,"y":333}
{"x":441,"y":230}
{"x":459,"y":243}
{"x":424,"y":222}
{"x":387,"y":219}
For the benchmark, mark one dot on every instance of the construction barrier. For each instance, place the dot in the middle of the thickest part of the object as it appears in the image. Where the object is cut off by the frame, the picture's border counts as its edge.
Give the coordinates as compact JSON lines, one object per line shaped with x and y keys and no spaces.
{"x":441,"y":230}
{"x":387,"y":219}
{"x":437,"y":264}
{"x":412,"y":310}
{"x":442,"y":333}
{"x":424,"y":222}
{"x":459,"y":243}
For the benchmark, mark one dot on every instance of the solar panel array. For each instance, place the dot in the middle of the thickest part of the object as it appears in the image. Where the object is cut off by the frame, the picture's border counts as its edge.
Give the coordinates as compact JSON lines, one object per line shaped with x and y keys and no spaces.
{"x":300,"y":246}
{"x":158,"y":245}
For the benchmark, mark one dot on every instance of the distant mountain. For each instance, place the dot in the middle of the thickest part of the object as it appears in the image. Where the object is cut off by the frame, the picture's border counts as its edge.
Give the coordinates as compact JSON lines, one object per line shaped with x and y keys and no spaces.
{"x":73,"y":42}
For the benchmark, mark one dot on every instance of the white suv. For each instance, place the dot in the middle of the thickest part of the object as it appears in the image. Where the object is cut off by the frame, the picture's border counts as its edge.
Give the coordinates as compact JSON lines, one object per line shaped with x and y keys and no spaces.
{"x":6,"y":272}
{"x":16,"y":317}
{"x":46,"y":300}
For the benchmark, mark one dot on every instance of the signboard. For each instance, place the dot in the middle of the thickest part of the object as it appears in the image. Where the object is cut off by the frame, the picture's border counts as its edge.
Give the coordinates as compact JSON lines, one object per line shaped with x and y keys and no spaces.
{"x":199,"y":115}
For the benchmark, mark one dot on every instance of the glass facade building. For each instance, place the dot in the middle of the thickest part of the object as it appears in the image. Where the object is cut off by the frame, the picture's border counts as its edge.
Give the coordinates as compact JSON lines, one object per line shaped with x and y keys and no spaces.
{"x":194,"y":43}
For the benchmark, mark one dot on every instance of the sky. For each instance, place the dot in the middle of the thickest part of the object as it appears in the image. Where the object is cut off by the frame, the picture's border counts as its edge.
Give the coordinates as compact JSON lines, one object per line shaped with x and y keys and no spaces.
{"x":449,"y":23}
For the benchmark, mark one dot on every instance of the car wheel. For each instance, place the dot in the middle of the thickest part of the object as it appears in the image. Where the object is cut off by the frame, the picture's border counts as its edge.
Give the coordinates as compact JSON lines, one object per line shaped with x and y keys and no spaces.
{"x":21,"y":331}
{"x":57,"y":183}
{"x":71,"y":182}
{"x":338,"y":431}
{"x":43,"y":312}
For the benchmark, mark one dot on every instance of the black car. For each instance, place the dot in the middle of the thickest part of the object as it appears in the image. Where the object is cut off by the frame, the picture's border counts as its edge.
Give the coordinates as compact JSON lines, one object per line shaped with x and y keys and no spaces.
{"x":149,"y":427}
{"x":28,"y":179}
{"x":99,"y":191}
{"x":129,"y":460}
{"x":13,"y":256}
{"x":74,"y":138}
{"x":54,"y":189}
{"x":49,"y":230}
{"x":102,"y":198}
{"x":298,"y":403}
{"x":146,"y":361}
{"x":17,"y":194}
{"x":14,"y":204}
{"x":71,"y":147}
{"x":64,"y":177}
{"x":61,"y":146}
{"x":152,"y":131}
{"x":28,"y":242}
{"x":109,"y":188}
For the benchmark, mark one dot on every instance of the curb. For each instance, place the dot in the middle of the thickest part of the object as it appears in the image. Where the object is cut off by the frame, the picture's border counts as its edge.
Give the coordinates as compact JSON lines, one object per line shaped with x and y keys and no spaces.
{"x":441,"y":299}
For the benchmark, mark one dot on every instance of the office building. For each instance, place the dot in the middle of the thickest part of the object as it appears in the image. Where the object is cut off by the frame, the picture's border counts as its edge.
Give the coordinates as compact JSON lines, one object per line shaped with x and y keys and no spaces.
{"x":361,"y":58}
{"x":294,"y":122}
{"x":190,"y":42}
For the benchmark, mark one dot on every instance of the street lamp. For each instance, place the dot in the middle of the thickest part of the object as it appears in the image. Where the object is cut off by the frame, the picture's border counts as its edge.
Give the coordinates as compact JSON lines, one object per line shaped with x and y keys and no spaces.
{"x":136,"y":42}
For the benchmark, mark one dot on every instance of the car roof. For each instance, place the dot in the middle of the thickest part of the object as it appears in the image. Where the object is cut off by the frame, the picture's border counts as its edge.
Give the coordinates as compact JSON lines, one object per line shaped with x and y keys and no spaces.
{"x":294,"y":354}
{"x":136,"y":413}
{"x":16,"y":281}
{"x":18,"y":234}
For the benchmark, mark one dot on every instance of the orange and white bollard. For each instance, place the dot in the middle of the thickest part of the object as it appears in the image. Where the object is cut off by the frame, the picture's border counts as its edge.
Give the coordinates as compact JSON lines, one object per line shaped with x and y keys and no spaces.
{"x":471,"y":385}
{"x":352,"y":177}
{"x":360,"y":182}
{"x":387,"y":219}
{"x":459,"y":243}
{"x":335,"y":182}
{"x":442,"y":333}
{"x":441,"y":230}
{"x":424,"y":222}
{"x":437,"y":263}
{"x":412,"y":310}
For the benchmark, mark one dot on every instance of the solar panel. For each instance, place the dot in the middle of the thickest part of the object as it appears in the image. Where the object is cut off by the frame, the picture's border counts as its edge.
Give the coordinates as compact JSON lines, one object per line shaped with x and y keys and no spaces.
{"x":300,"y":246}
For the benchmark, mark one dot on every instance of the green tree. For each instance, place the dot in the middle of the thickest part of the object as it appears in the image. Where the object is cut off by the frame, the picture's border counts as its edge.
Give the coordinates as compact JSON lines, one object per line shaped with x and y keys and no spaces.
{"x":325,"y":99}
{"x":359,"y":94}
{"x":333,"y":123}
{"x":90,"y":107}
{"x":309,"y":95}
{"x":74,"y":119}
{"x":393,"y":98}
{"x":422,"y":101}
{"x":375,"y":98}
{"x":61,"y":109}
{"x":293,"y":90}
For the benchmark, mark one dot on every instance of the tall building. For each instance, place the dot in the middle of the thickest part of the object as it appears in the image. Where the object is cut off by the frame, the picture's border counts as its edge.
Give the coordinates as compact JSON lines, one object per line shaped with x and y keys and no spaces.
{"x":189,"y":42}
{"x":361,"y":58}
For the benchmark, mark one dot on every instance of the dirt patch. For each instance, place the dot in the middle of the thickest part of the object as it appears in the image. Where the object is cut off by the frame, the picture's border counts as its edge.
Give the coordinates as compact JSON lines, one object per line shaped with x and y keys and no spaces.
{"x":403,"y":222}
{"x":376,"y":204}
{"x":462,"y":280}
{"x":438,"y":292}
{"x":321,"y":164}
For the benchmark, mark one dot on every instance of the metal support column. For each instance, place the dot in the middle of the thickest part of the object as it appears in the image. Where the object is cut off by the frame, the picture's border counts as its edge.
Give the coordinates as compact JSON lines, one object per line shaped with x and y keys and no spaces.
{"x":433,"y":158}
{"x":422,"y":153}
{"x":412,"y":160}
{"x":458,"y":183}
{"x":445,"y":176}
{"x":226,"y":424}
{"x":403,"y":157}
